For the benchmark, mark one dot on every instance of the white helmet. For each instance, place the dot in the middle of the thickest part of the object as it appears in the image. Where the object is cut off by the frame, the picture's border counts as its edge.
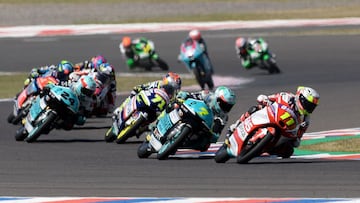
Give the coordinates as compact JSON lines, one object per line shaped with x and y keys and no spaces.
{"x":223,"y":99}
{"x":195,"y":35}
{"x":306,"y":100}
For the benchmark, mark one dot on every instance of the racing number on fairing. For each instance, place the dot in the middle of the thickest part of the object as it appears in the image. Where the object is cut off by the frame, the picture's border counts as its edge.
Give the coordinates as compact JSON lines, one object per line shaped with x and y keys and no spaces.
{"x":66,"y":95}
{"x":286,"y":117}
{"x":159,"y":101}
{"x":202,"y":111}
{"x":147,"y":48}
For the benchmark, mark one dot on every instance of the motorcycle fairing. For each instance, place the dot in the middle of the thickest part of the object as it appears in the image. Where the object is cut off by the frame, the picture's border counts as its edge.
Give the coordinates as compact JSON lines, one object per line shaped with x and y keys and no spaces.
{"x":128,"y":109}
{"x":198,"y":107}
{"x":65,"y":95}
{"x":256,"y":120}
{"x":167,"y":121}
{"x":286,"y":119}
{"x":190,"y":53}
{"x":34,"y":115}
{"x":29,"y":90}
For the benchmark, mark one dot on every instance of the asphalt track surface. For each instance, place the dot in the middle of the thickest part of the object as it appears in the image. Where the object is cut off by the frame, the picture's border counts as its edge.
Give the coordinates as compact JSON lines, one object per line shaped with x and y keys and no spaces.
{"x":80,"y":163}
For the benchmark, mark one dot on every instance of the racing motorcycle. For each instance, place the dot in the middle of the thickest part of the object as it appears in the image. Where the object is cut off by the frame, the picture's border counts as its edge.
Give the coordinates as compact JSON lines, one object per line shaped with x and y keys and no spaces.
{"x":23,"y":100}
{"x":145,"y":55}
{"x":182,"y":128}
{"x":102,"y":95}
{"x":135,"y":114}
{"x":196,"y":61}
{"x":53,"y":108}
{"x":261,"y":56}
{"x":261,"y":132}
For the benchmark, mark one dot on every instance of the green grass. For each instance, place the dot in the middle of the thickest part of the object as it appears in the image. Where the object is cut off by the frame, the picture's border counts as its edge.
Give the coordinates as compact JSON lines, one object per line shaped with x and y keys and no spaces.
{"x":347,"y":144}
{"x":327,"y":11}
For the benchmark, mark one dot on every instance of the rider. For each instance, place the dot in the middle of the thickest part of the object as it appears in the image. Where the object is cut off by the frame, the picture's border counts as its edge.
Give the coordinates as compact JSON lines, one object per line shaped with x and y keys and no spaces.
{"x":166,"y":89}
{"x":220,"y":102}
{"x":242,"y":47}
{"x":129,"y":46}
{"x":170,"y":78}
{"x":245,"y":50}
{"x":302,"y":103}
{"x":104,"y":76}
{"x":60,"y":72}
{"x":94,"y":62}
{"x":196,"y":36}
{"x":84,"y":88}
{"x":85,"y":67}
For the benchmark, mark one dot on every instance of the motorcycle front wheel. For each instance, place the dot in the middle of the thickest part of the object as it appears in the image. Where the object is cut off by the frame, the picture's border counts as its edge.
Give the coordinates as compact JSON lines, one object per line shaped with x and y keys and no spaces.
{"x":253,"y":150}
{"x":21,"y":134}
{"x":199,"y":77}
{"x":173,"y":142}
{"x":35,"y":134}
{"x":110,"y":136}
{"x":143,"y":151}
{"x":130,"y":130}
{"x":271,"y":66}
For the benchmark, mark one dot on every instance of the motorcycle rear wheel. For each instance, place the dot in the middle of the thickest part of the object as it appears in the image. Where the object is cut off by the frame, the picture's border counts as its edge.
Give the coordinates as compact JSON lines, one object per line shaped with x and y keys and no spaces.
{"x":249,"y":153}
{"x":129,"y":131}
{"x":42,"y":127}
{"x":162,"y":64}
{"x":172,"y":144}
{"x":110,"y":136}
{"x":221,"y":156}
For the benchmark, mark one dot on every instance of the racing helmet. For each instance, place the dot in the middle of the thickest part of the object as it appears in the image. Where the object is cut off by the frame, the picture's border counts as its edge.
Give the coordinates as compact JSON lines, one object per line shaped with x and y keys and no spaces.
{"x":126,"y":42}
{"x":104,"y":73}
{"x":306,"y":100}
{"x":85,"y":86}
{"x":171,"y":83}
{"x":223,"y":99}
{"x":195,"y":35}
{"x":64,"y":69}
{"x":240,"y":42}
{"x":98,"y":60}
{"x":172,"y":79}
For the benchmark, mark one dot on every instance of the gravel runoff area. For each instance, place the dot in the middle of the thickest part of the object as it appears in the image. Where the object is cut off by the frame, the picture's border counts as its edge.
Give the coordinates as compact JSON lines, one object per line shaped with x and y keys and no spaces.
{"x":16,"y":14}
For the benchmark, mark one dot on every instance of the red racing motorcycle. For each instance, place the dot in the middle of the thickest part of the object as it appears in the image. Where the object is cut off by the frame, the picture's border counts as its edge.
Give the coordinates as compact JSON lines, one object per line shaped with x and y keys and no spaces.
{"x":259,"y":133}
{"x":23,"y":100}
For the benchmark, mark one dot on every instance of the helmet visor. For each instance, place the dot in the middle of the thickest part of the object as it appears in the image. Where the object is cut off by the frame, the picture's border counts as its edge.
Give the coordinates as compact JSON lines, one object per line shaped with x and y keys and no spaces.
{"x":308,"y":106}
{"x":226,"y":107}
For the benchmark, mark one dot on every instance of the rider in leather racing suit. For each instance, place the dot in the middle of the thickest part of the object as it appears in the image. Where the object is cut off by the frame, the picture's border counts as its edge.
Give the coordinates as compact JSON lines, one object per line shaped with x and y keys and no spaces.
{"x":243,"y":47}
{"x":128,"y":48}
{"x":61,"y":72}
{"x":170,"y":77}
{"x":196,"y":36}
{"x":303,"y":104}
{"x":220,"y":102}
{"x":84,"y":88}
{"x":93,"y":63}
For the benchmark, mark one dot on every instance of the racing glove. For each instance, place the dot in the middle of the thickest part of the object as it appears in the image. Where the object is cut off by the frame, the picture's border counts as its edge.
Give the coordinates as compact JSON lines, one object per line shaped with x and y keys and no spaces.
{"x":218,"y":125}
